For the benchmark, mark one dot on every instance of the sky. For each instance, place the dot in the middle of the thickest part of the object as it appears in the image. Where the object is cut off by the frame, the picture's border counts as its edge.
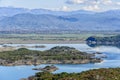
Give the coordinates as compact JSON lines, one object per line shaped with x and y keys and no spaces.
{"x":63,"y":5}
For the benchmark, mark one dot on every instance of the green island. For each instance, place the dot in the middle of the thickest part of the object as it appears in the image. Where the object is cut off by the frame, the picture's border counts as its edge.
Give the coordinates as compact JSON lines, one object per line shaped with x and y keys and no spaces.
{"x":55,"y":55}
{"x":50,"y":68}
{"x":95,"y":74}
{"x":104,"y":40}
{"x":108,"y":41}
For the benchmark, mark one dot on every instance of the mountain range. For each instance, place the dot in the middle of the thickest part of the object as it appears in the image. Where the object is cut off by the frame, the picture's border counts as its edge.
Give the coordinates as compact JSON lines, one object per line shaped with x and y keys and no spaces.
{"x":38,"y":20}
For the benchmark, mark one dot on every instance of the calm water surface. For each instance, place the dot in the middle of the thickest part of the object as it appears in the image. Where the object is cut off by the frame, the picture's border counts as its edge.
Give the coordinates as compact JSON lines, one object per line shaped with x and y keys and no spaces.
{"x":18,"y":72}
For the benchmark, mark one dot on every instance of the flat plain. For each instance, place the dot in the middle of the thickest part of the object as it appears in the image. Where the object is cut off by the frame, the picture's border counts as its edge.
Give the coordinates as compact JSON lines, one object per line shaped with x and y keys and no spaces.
{"x":50,"y":38}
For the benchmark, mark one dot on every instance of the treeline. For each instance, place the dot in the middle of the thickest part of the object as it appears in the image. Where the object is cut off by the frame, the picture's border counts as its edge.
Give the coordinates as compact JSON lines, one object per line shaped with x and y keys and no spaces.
{"x":97,"y":41}
{"x":96,"y":74}
{"x":104,"y":39}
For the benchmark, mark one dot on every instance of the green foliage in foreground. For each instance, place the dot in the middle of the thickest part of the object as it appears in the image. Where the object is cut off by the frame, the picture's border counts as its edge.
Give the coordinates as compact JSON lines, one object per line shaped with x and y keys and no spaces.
{"x":96,"y":74}
{"x":56,"y":53}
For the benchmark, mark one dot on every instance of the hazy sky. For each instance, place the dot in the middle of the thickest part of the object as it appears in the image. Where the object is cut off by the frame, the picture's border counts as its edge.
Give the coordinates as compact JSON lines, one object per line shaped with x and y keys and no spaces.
{"x":65,"y":5}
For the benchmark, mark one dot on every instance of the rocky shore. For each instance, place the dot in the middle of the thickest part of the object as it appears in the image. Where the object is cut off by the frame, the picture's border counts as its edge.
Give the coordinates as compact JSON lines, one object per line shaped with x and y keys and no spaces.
{"x":50,"y":68}
{"x":38,"y":62}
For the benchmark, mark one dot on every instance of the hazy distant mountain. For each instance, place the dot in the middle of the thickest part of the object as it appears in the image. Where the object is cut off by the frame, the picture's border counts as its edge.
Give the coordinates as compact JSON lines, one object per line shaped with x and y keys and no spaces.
{"x":10,"y":11}
{"x":12,"y":19}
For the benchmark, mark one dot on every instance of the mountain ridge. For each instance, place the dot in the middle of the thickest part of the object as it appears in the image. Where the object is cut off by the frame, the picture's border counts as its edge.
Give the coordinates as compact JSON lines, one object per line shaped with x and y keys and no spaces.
{"x":47,"y":20}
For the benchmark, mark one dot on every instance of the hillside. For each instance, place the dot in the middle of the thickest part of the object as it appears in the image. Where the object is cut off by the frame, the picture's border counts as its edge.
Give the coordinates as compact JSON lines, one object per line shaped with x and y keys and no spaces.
{"x":45,"y":20}
{"x":96,"y":74}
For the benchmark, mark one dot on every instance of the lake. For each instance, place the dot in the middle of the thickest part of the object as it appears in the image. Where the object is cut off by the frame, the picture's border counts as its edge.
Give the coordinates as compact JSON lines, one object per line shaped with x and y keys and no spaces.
{"x":18,"y":72}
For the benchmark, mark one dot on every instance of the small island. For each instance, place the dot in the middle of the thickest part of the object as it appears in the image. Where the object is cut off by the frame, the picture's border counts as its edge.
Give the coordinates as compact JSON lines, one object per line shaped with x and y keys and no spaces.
{"x":56,"y":55}
{"x":50,"y":68}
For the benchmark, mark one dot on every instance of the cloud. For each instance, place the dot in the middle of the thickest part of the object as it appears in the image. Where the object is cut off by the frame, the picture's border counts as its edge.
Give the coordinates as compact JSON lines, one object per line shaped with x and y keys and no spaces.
{"x":75,"y":1}
{"x":118,"y":3}
{"x":90,"y":2}
{"x":92,"y":8}
{"x":65,"y":8}
{"x":94,"y":5}
{"x":107,"y":2}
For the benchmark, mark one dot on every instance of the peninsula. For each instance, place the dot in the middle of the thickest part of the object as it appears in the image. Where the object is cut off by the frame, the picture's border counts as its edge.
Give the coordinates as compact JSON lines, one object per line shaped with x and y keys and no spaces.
{"x":94,"y":41}
{"x":95,"y":74}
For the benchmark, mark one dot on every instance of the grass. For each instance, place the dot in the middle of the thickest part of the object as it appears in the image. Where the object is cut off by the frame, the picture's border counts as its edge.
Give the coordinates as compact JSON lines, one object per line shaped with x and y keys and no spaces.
{"x":47,"y":38}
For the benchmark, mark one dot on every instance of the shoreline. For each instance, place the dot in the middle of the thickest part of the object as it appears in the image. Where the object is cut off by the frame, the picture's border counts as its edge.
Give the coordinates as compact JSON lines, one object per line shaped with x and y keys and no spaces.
{"x":42,"y":42}
{"x":28,"y":63}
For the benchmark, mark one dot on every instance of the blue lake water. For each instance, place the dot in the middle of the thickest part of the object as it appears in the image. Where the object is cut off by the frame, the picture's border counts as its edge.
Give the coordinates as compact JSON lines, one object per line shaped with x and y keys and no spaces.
{"x":18,"y":72}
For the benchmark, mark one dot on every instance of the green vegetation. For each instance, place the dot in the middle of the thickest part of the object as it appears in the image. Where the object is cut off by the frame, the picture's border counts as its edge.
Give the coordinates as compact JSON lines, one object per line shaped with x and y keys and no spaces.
{"x":105,"y":39}
{"x":50,"y":38}
{"x":97,"y":41}
{"x":50,"y":68}
{"x":54,"y":55}
{"x":96,"y":74}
